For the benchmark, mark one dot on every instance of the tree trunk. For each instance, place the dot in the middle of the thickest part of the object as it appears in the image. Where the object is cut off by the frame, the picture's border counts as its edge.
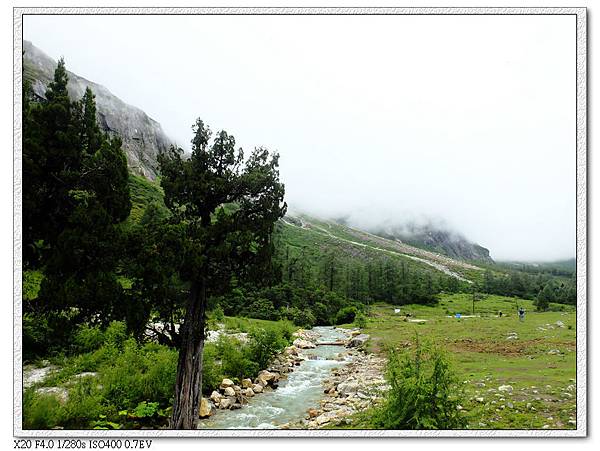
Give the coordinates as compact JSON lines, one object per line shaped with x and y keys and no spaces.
{"x":188,"y":386}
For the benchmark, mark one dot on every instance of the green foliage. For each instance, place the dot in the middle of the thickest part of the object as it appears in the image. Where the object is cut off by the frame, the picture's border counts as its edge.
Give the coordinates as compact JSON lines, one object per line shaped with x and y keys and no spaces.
{"x":212,"y":372}
{"x":218,"y":314}
{"x":542,"y":284}
{"x":147,"y":201}
{"x":301,"y":317}
{"x":264,"y":344}
{"x":88,"y":338}
{"x":346,"y":315}
{"x":116,"y":335}
{"x":236,"y":360}
{"x":423,"y":394}
{"x":146,"y":409}
{"x":85,"y":403}
{"x":41,"y":411}
{"x":361,"y":320}
{"x":32,"y":281}
{"x":139,"y":373}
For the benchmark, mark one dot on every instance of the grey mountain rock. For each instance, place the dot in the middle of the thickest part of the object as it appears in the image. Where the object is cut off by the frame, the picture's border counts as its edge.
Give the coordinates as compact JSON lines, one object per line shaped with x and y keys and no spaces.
{"x":143,"y":137}
{"x":438,"y":240}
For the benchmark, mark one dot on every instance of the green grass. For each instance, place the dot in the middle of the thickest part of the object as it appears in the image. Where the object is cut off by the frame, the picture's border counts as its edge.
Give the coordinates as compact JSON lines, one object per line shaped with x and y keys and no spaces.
{"x":484,"y":359}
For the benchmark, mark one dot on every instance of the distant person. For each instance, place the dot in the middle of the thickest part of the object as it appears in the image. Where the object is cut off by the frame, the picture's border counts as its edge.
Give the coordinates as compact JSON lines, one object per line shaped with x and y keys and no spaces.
{"x":521,"y":314}
{"x":499,"y":314}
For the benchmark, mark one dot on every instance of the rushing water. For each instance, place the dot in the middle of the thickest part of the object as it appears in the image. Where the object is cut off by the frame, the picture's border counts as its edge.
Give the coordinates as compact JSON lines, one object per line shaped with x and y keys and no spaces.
{"x":301,"y":390}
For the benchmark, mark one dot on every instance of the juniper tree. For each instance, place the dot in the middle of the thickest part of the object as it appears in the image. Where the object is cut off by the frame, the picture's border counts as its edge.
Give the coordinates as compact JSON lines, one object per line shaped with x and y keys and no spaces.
{"x":226,"y":209}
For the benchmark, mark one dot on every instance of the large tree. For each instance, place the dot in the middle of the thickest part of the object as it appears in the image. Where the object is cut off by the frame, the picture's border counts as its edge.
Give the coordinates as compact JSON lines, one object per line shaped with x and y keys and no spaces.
{"x":75,"y":196}
{"x":225,"y":209}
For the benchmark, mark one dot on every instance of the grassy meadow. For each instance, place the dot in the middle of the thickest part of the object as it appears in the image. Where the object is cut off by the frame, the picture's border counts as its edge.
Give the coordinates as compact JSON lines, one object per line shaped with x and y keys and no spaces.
{"x":536,"y":358}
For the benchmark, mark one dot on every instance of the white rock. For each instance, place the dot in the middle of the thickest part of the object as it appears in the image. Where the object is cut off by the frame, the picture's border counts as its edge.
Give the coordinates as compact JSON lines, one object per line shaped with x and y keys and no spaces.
{"x":229,"y":391}
{"x":226,"y":383}
{"x":304,"y":344}
{"x":215,"y":397}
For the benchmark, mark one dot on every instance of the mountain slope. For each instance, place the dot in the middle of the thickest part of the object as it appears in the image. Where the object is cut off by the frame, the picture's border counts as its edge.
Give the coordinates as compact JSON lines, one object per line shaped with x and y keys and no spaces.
{"x":436,"y":239}
{"x":364,"y":244}
{"x":143,"y":137}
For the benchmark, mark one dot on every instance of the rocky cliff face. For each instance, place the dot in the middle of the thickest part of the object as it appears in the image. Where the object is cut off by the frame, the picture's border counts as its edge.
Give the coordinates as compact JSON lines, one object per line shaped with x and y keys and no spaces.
{"x":143,"y":137}
{"x":437,"y":240}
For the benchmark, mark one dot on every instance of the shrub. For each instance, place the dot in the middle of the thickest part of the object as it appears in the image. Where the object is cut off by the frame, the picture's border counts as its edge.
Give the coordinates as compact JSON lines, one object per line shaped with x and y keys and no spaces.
{"x":41,"y":411}
{"x":116,"y":334}
{"x":139,"y":374}
{"x":360,"y":320}
{"x":212,"y":374}
{"x":84,"y":405}
{"x":302,"y":318}
{"x":264,"y":344}
{"x":88,"y":338}
{"x":423,"y":392}
{"x":286,"y":329}
{"x":218,"y":314}
{"x":235,"y":358}
{"x":346,"y":315}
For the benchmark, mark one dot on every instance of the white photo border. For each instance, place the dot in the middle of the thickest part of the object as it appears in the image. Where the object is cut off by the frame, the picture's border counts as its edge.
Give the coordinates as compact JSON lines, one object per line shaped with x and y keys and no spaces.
{"x":581,"y":212}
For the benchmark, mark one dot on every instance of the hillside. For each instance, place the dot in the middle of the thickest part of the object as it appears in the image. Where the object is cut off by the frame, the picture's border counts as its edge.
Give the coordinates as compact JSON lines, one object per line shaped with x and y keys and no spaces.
{"x":143,"y":137}
{"x":362,"y":245}
{"x":436,"y":239}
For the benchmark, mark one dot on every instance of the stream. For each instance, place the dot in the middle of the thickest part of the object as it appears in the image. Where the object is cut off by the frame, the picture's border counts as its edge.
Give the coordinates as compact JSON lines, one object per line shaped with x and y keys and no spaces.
{"x":301,"y":390}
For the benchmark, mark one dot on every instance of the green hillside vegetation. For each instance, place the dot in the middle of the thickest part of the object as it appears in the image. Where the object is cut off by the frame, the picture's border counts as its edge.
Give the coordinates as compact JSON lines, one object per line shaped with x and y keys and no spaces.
{"x":144,"y":194}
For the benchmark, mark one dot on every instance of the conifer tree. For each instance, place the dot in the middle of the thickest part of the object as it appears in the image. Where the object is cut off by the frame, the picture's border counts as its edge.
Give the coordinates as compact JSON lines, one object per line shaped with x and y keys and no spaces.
{"x":217,"y":242}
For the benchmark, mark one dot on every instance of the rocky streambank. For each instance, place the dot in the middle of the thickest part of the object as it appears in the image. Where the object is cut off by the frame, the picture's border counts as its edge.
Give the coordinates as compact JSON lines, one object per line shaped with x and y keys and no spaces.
{"x":353,"y":387}
{"x":231,"y":396}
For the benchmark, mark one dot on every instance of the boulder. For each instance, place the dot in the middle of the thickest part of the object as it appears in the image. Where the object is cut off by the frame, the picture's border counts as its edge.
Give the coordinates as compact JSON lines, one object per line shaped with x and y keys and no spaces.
{"x":304,"y":344}
{"x":313,"y":413}
{"x":215,"y":397}
{"x":248,"y":392}
{"x":291,"y":350}
{"x":226,"y":383}
{"x":257,"y":388}
{"x":358,"y":341}
{"x":506,"y":388}
{"x":205,"y":408}
{"x":225,"y":403}
{"x":246,"y":383}
{"x":229,"y":391}
{"x":347,"y":387}
{"x":266,"y":377}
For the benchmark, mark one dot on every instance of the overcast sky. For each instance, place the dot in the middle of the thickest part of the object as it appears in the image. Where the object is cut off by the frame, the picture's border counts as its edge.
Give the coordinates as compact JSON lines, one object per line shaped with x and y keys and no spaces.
{"x":468,"y":120}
